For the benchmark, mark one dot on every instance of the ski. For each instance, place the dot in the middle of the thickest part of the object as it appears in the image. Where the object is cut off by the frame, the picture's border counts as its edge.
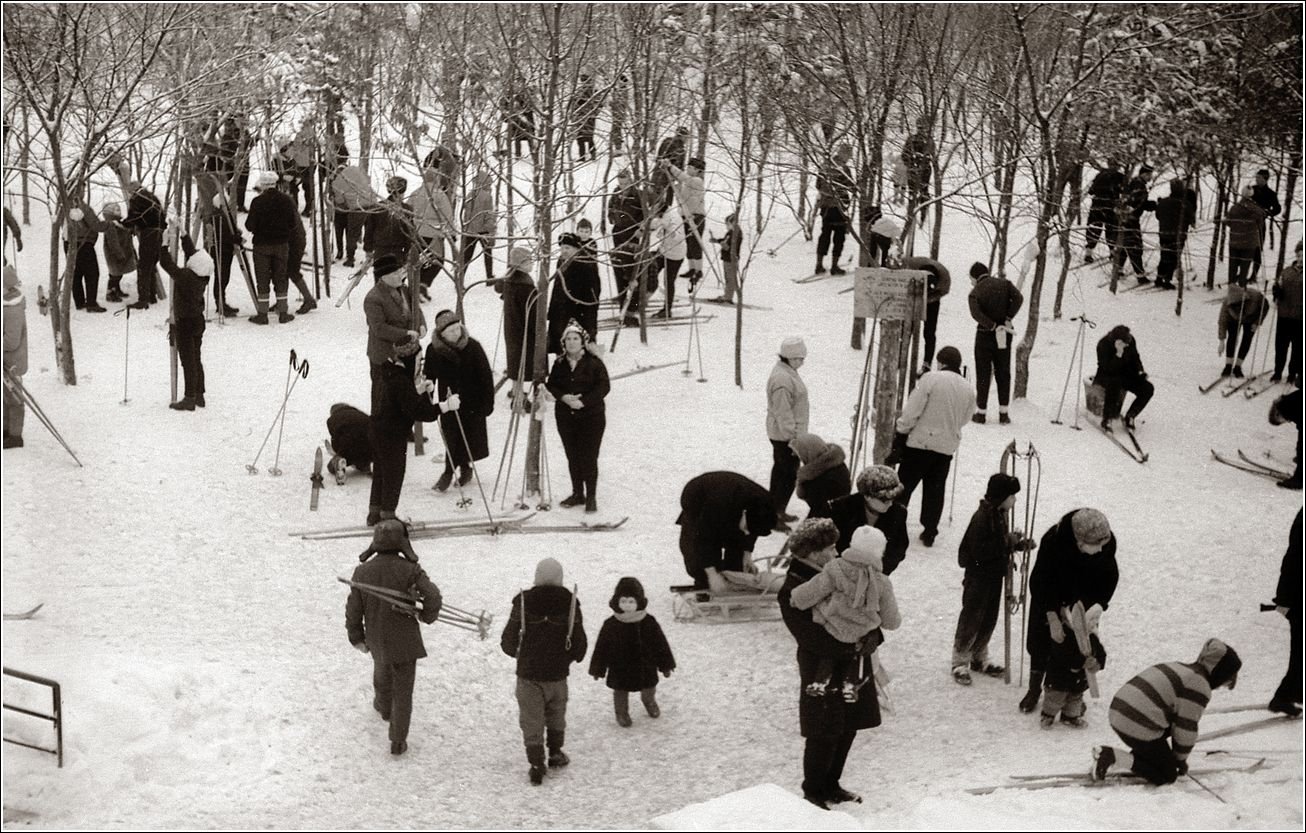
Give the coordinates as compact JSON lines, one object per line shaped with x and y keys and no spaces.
{"x":26,"y":614}
{"x":1279,"y":473}
{"x":1232,"y":389}
{"x":1243,"y":728}
{"x":1133,"y":440}
{"x":638,"y":369}
{"x":360,"y":531}
{"x":1083,"y":779}
{"x":316,"y":479}
{"x":1254,"y":391}
{"x":1250,"y":469}
{"x":732,"y":304}
{"x":610,"y":324}
{"x":1211,"y":387}
{"x":1135,"y":453}
{"x":1252,"y":707}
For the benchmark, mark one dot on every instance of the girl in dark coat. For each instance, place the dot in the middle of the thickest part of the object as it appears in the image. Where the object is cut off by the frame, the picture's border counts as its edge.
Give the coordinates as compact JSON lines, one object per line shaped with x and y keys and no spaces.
{"x":822,"y":474}
{"x":575,"y":294}
{"x":828,"y":724}
{"x":458,"y":365}
{"x":579,"y":381}
{"x":631,"y":650}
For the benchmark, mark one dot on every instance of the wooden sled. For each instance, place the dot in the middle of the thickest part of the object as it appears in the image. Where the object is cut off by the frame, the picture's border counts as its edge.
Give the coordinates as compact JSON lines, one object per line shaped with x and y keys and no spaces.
{"x":706,"y":608}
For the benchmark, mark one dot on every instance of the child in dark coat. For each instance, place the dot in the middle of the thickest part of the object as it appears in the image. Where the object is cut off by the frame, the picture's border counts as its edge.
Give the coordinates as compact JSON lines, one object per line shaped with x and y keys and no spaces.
{"x":631,"y":650}
{"x":1067,"y":674}
{"x":545,"y":634}
{"x":984,"y":551}
{"x":188,"y":317}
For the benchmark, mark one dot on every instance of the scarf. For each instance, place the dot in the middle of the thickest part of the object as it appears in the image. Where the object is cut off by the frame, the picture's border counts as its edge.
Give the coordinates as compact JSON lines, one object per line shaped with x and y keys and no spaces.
{"x":629,"y":618}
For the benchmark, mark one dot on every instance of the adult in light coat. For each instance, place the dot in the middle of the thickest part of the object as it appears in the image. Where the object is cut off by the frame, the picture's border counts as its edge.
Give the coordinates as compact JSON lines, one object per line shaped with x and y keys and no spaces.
{"x":786,"y":418}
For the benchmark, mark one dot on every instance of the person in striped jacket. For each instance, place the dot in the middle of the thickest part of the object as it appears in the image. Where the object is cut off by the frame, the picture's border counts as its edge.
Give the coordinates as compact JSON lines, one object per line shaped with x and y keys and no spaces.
{"x":1156,"y":714}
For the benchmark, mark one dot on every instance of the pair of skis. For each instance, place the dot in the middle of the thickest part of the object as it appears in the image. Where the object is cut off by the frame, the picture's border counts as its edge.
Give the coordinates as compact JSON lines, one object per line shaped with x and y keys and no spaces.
{"x":409,"y":604}
{"x":1235,"y":385}
{"x":1083,"y":779}
{"x":638,"y":369}
{"x":1133,"y":448}
{"x":1247,"y":464}
{"x":441,"y":529}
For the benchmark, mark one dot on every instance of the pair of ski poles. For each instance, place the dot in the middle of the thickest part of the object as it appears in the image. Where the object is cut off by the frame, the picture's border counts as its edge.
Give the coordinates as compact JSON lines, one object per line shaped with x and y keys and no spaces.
{"x":15,"y":384}
{"x":297,"y":370}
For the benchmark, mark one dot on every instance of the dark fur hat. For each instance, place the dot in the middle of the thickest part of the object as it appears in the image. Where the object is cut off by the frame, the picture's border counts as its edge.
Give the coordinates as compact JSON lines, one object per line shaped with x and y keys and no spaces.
{"x":628,"y":586}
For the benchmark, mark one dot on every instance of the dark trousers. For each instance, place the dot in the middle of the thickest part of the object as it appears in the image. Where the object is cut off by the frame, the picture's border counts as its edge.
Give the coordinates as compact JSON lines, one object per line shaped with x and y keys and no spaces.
{"x":784,"y":475}
{"x":1153,"y":759}
{"x":469,"y":248}
{"x":991,"y":364}
{"x":823,"y":761}
{"x":1240,"y":264}
{"x":694,"y":228}
{"x":189,"y":334}
{"x":271,"y":273}
{"x":1289,"y":690}
{"x":86,"y":275}
{"x":671,"y":268}
{"x":1101,"y":221}
{"x":1172,"y":246}
{"x":392,"y":686}
{"x":582,"y":437}
{"x":981,"y":601}
{"x":1115,"y":396}
{"x":931,"y":469}
{"x":389,"y":430}
{"x":931,"y":327}
{"x":1231,"y":340}
{"x":1287,"y":338}
{"x":432,"y":260}
{"x":349,"y":232}
{"x":147,"y":264}
{"x":1132,"y":247}
{"x":700,"y":552}
{"x":242,"y":185}
{"x":626,"y":271}
{"x":834,"y":227}
{"x":223,"y":252}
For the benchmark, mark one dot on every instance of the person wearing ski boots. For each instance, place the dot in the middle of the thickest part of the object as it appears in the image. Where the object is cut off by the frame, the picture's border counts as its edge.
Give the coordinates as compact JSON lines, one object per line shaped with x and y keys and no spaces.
{"x":1119,"y":371}
{"x":994,"y":302}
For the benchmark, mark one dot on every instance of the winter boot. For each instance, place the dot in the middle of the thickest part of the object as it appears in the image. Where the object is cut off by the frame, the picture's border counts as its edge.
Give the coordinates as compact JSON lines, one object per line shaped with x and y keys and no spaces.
{"x":839,"y":795}
{"x":835,"y":270}
{"x":1030,"y":701}
{"x":576,"y":498}
{"x":183,"y":404}
{"x":398,"y":747}
{"x":1103,"y":758}
{"x":1074,"y":722}
{"x":1004,"y":418}
{"x":988,"y":669}
{"x":621,"y":705}
{"x":445,"y":480}
{"x":979,"y":417}
{"x":557,"y":758}
{"x":961,"y":675}
{"x":1228,"y":369}
{"x":1238,"y":370}
{"x":649,"y":697}
{"x":1045,"y":721}
{"x":1283,"y":706}
{"x":465,"y":475}
{"x":820,"y":266}
{"x":535,"y":756}
{"x":308,"y":305}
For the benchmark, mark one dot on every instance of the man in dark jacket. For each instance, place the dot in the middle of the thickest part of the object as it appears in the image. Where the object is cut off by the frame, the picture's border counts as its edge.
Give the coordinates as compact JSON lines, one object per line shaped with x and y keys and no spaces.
{"x":873,"y":504}
{"x":626,"y":217}
{"x":545,"y":634}
{"x":378,"y":626}
{"x":145,"y":216}
{"x":1105,"y":191}
{"x":1133,"y":203}
{"x":1287,"y":601}
{"x":1175,"y":215}
{"x":1076,"y":562}
{"x":1268,"y":200}
{"x":722,"y":514}
{"x":674,"y":149}
{"x":834,"y":188}
{"x":994,"y":302}
{"x":1246,"y":222}
{"x":389,"y":229}
{"x":189,"y":283}
{"x":938,"y":283}
{"x":271,"y":219}
{"x":1120,"y":370}
{"x":918,"y":157}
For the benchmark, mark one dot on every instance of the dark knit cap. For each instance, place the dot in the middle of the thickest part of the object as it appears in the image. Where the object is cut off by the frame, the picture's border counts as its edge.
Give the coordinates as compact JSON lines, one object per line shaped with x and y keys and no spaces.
{"x":385,"y":264}
{"x":978,"y":270}
{"x":950,"y":357}
{"x":569,"y":239}
{"x":628,"y":586}
{"x":1001,"y":486}
{"x":1263,"y":173}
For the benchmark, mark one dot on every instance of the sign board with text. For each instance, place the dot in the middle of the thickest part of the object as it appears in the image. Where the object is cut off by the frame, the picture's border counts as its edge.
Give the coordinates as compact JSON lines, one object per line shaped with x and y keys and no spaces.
{"x":888,"y":294}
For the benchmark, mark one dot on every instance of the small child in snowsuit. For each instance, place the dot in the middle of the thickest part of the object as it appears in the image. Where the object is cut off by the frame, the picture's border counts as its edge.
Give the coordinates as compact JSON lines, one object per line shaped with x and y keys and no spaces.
{"x":631,"y":650}
{"x":1066,"y":677}
{"x":731,"y":244}
{"x":850,"y":597}
{"x":15,"y":355}
{"x":545,"y":634}
{"x":1157,"y":712}
{"x":983,"y":554}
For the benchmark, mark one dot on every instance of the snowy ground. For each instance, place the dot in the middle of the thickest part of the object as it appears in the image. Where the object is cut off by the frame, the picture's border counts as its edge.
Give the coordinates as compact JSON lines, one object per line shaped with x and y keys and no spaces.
{"x":208,"y":682}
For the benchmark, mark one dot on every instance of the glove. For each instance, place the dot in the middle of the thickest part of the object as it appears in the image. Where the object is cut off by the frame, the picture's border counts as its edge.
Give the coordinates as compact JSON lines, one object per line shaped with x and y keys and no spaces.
{"x":362,"y":647}
{"x":1092,"y":617}
{"x":76,"y":215}
{"x":424,"y":385}
{"x":1058,"y":632}
{"x":453,"y":403}
{"x":666,"y":673}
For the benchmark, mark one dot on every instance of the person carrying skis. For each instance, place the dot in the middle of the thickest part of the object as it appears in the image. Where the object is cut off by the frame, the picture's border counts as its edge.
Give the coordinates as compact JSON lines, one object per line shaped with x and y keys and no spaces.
{"x":994,"y":302}
{"x":1120,"y":370}
{"x":545,"y":634}
{"x":1104,"y":191}
{"x":1157,"y":713}
{"x":1076,"y":562}
{"x":984,"y":554}
{"x":391,"y":636}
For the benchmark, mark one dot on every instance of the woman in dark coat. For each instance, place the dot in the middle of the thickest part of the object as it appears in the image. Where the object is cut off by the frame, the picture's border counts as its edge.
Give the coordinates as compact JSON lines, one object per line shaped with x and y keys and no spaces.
{"x":829,"y":724}
{"x":872,"y":505}
{"x":579,"y":381}
{"x":822,"y":473}
{"x":631,"y":650}
{"x":712,"y":536}
{"x":457,"y":363}
{"x":1076,"y":562}
{"x":575,"y":293}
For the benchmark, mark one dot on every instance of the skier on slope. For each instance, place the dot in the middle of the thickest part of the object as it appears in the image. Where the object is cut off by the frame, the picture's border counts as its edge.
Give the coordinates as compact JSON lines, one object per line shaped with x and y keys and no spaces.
{"x":1156,"y":714}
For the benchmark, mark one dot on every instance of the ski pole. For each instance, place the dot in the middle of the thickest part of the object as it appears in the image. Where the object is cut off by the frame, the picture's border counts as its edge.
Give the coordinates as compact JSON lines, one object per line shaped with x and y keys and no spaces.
{"x":952,"y":498}
{"x":1079,"y":337}
{"x":126,"y":311}
{"x":252,"y":467}
{"x":463,"y":500}
{"x":15,"y":384}
{"x":475,"y":474}
{"x":301,"y":372}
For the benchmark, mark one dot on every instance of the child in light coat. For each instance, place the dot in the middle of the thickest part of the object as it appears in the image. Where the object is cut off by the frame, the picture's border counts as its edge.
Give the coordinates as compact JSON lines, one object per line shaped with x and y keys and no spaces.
{"x":850,"y":597}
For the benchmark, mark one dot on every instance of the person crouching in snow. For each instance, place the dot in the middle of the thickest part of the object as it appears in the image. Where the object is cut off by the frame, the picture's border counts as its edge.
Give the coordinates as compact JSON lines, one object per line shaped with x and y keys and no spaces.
{"x":850,"y":597}
{"x":983,"y":554}
{"x":631,"y":650}
{"x":1157,"y":712}
{"x":188,"y":317}
{"x":545,"y":634}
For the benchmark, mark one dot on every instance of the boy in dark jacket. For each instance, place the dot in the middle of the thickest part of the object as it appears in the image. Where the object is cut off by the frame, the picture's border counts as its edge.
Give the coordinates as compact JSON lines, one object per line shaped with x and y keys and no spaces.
{"x":1120,"y":370}
{"x":731,"y":244}
{"x":631,"y":650}
{"x":392,"y":636}
{"x":983,"y":554}
{"x":545,"y":634}
{"x":994,"y":302}
{"x":188,"y":317}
